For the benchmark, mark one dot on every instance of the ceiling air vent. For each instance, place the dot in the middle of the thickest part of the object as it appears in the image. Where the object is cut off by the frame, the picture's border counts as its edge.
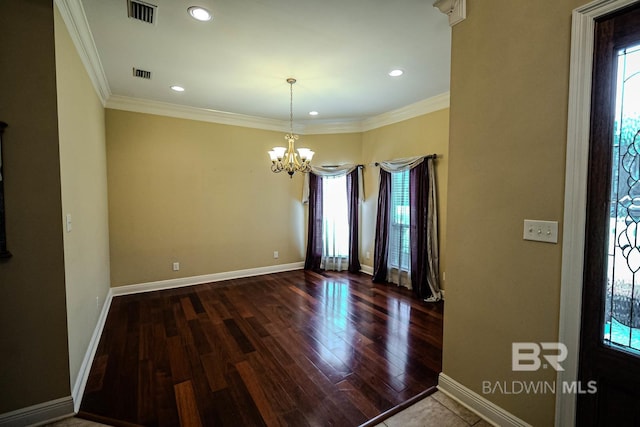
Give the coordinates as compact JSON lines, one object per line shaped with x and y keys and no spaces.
{"x":142,"y":11}
{"x":143,"y":74}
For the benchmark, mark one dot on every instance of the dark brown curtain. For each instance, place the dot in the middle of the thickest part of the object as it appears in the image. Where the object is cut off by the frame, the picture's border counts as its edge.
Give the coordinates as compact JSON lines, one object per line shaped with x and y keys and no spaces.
{"x":424,"y":256}
{"x":314,"y":240}
{"x":381,"y":250}
{"x":352,"y":205}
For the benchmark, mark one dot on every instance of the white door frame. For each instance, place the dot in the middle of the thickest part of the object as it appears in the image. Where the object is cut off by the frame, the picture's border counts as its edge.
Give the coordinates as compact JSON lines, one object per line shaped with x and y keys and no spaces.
{"x":575,"y":199}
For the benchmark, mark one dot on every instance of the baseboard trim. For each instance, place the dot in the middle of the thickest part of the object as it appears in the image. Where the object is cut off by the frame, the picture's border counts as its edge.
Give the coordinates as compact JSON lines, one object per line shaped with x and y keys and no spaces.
{"x":478,"y":404}
{"x":39,"y":414}
{"x":207,"y":278}
{"x":366,"y":269}
{"x":85,"y":368}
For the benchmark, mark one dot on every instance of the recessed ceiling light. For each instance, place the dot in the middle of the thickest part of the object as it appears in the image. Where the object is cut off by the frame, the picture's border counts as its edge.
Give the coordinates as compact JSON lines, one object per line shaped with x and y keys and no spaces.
{"x":200,"y":13}
{"x":396,"y":73}
{"x":313,"y":113}
{"x":177,"y":88}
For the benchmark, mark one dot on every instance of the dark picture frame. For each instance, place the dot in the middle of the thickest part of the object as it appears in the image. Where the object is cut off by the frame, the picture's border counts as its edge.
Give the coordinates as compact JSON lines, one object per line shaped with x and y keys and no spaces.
{"x":4,"y":253}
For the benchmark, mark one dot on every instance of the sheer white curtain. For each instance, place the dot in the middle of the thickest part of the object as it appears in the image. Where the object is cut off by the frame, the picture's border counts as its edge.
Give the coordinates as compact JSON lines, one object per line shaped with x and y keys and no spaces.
{"x":335,"y":214}
{"x":399,"y":257}
{"x":327,"y":171}
{"x":399,"y":260}
{"x":422,"y":230}
{"x":335,"y":223}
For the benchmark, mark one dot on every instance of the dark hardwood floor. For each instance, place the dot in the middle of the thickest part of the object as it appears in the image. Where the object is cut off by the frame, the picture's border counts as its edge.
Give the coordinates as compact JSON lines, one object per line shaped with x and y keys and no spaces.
{"x":296,"y":348}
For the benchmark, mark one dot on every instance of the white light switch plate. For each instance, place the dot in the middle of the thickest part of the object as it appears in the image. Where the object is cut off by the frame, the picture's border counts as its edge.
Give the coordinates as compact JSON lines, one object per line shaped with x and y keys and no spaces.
{"x":541,"y":231}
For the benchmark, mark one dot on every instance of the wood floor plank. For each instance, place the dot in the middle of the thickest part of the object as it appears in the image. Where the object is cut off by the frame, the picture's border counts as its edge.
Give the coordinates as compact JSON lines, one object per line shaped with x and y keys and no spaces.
{"x":187,"y":406}
{"x":249,"y":413}
{"x":239,"y":336}
{"x":145,"y":407}
{"x":257,"y":393}
{"x":358,"y":399}
{"x":180,"y":370}
{"x":187,"y":308}
{"x":297,"y":348}
{"x":214,"y":368}
{"x":96,"y":375}
{"x":165,"y":400}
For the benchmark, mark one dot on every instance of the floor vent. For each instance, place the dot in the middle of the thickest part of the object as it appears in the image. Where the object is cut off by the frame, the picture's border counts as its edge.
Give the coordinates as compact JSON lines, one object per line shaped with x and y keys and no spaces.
{"x":142,"y":11}
{"x":143,"y":74}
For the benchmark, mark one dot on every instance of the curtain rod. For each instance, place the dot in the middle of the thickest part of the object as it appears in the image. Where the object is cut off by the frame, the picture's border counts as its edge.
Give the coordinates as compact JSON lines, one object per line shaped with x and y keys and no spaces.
{"x":339,"y":166}
{"x":428,"y":156}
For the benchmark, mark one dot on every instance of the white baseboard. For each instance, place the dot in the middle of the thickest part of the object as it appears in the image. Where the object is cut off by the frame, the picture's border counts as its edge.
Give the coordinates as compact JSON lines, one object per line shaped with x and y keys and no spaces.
{"x":39,"y":414}
{"x":85,"y":368}
{"x":478,"y":404}
{"x":207,"y":278}
{"x":367,"y":269}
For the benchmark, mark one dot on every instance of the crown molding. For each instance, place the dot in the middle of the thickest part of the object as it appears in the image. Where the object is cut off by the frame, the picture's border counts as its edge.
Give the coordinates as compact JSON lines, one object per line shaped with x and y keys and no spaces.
{"x":136,"y":105}
{"x":328,"y":127}
{"x":419,"y":108}
{"x":76,"y":22}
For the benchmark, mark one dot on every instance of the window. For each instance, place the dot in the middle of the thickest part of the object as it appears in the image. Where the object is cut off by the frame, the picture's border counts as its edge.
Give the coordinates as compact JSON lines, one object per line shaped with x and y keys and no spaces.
{"x":335,"y":222}
{"x":622,"y":303}
{"x":399,"y":255}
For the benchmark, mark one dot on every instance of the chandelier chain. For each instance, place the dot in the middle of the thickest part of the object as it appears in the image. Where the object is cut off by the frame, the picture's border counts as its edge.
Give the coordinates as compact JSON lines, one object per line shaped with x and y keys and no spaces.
{"x":291,"y":105}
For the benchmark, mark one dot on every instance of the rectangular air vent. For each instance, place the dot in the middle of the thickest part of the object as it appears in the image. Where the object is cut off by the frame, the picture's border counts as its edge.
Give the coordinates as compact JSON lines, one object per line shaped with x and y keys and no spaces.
{"x":142,"y":11}
{"x":143,"y":74}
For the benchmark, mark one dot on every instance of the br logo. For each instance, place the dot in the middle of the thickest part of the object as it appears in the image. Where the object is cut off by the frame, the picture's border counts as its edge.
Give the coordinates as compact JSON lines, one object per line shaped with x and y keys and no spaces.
{"x":528,"y":356}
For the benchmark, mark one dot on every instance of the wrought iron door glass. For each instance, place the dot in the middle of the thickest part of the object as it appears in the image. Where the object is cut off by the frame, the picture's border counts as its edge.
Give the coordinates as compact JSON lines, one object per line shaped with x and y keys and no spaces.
{"x":622,"y":302}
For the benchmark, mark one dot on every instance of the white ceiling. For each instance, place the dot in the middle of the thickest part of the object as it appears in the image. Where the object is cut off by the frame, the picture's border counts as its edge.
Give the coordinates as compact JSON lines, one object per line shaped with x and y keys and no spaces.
{"x":340,"y":51}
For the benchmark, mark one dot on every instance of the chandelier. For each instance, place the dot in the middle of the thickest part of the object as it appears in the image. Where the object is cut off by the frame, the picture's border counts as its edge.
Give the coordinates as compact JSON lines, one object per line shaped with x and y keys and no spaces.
{"x":286,"y":159}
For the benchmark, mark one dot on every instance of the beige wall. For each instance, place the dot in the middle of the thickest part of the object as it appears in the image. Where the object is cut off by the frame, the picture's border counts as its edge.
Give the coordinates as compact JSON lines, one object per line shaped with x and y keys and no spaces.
{"x":334,"y":149}
{"x":174,"y":196}
{"x":33,"y":330}
{"x":426,"y":134}
{"x":509,"y":91}
{"x":83,"y":167}
{"x":202,"y":194}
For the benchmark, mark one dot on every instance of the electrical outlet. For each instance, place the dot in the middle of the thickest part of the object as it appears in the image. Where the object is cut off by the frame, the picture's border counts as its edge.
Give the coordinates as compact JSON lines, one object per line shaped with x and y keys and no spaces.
{"x":276,"y":255}
{"x":98,"y":303}
{"x":176,"y":266}
{"x":368,"y":255}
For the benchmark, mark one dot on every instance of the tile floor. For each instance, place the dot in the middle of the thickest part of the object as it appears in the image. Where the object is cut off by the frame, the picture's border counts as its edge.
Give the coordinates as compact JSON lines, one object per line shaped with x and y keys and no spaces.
{"x":437,"y":409}
{"x":434,"y":410}
{"x":75,"y":422}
